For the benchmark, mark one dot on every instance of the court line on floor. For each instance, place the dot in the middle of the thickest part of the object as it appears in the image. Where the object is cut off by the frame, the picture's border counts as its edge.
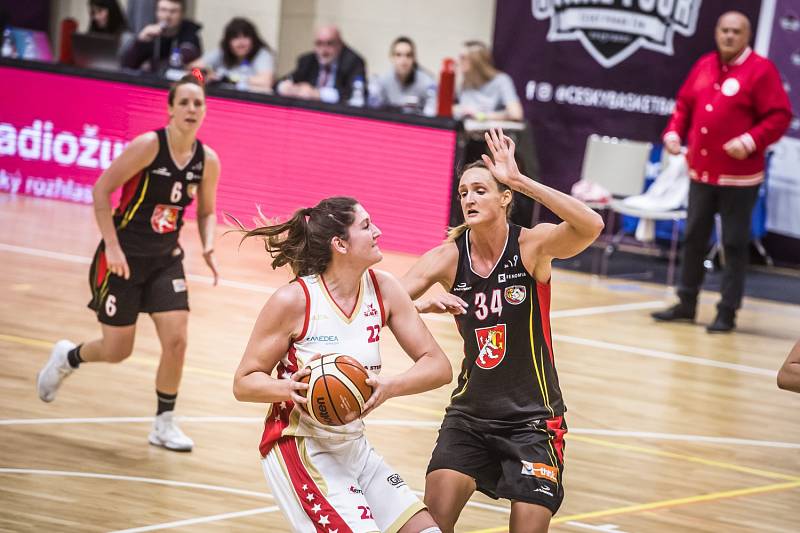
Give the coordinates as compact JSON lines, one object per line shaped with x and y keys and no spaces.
{"x":199,"y":520}
{"x":574,"y":433}
{"x":661,"y":504}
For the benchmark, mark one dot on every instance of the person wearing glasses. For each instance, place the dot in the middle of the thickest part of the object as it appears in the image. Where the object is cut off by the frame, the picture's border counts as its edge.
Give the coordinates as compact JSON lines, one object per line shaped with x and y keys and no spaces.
{"x":328,"y":73}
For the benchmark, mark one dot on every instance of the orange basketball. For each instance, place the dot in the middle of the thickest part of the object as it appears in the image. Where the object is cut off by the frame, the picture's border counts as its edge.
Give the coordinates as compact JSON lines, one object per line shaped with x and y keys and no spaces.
{"x":337,"y":389}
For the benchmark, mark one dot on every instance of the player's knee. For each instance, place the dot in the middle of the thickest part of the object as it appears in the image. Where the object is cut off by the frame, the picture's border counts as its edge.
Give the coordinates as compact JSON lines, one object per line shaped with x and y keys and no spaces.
{"x":116,"y":353}
{"x":175,"y":347}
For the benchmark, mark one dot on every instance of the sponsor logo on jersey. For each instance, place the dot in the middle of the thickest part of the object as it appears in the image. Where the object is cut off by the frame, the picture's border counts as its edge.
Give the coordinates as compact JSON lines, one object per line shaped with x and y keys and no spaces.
{"x":515,"y":294}
{"x":502,"y":278}
{"x":192,"y":176}
{"x":461,"y":287}
{"x":179,"y":285}
{"x":354,"y":490}
{"x":198,"y":167}
{"x":544,"y":489}
{"x":540,"y":470}
{"x":161,"y":172}
{"x":491,"y":346}
{"x":191,"y":190}
{"x":510,"y":263}
{"x":395,"y":480}
{"x":371,"y":311}
{"x":612,"y":30}
{"x":165,"y":218}
{"x":325,"y":339}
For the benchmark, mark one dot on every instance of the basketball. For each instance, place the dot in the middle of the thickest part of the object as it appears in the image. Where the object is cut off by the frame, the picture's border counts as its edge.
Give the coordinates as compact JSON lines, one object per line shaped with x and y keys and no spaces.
{"x":337,"y":389}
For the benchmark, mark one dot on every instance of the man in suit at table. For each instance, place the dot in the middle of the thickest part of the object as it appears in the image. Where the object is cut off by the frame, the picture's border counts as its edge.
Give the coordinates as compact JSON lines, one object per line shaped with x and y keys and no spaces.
{"x":327,"y":73}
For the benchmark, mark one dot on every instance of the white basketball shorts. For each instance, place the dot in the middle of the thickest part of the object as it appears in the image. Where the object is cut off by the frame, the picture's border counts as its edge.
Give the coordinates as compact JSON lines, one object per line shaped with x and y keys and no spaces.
{"x":324,"y":485}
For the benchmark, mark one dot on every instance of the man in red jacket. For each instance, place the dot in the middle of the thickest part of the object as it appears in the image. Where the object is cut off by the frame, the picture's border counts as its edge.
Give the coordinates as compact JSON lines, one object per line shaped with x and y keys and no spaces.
{"x":729,"y":110}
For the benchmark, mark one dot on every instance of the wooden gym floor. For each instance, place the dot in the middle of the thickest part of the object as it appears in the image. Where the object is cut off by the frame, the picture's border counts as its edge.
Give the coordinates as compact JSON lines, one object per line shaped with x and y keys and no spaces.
{"x":671,"y":429}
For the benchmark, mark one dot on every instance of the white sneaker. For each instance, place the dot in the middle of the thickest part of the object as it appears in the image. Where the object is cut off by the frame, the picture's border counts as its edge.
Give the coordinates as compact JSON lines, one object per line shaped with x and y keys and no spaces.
{"x":57,"y":368}
{"x":166,"y":433}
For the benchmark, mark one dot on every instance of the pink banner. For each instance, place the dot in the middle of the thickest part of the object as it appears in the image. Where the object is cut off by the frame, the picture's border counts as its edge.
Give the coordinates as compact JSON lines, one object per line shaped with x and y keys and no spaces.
{"x":58,"y":133}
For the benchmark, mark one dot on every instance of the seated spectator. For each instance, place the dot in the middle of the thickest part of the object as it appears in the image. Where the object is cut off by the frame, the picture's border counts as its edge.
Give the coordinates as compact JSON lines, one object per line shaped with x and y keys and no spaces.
{"x":485,"y":92}
{"x":242,"y":58}
{"x":327,"y":73}
{"x":172,"y":41}
{"x":406,"y":85}
{"x":106,"y":17}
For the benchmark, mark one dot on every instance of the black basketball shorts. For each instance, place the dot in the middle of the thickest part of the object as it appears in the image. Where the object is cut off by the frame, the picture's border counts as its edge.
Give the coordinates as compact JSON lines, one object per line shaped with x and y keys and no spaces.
{"x":156,"y":284}
{"x":521,"y":463}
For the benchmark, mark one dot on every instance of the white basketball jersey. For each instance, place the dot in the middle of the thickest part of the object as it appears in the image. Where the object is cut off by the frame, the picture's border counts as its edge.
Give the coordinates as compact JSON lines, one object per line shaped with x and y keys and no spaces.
{"x":330,"y":329}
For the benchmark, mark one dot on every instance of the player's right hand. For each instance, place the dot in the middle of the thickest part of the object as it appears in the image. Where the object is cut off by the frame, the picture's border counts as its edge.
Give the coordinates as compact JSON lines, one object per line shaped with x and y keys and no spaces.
{"x":673,"y":146}
{"x":116,"y":262}
{"x":298,"y":389}
{"x":442,"y":303}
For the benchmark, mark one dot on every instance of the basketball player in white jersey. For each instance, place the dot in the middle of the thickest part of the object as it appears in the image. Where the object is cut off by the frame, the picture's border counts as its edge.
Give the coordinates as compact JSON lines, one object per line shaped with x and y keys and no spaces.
{"x":330,"y":478}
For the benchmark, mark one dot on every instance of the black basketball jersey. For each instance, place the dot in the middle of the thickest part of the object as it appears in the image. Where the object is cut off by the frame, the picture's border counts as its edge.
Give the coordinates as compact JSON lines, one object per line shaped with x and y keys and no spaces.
{"x":150,"y":212}
{"x":508,"y":375}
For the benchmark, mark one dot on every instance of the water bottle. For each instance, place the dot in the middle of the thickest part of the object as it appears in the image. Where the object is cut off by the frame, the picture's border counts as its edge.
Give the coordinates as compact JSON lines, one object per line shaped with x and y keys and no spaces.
{"x":29,"y":48}
{"x":9,"y":50}
{"x":175,"y":60}
{"x":357,"y":96}
{"x":447,"y":84}
{"x":245,"y":71}
{"x":374,"y":93}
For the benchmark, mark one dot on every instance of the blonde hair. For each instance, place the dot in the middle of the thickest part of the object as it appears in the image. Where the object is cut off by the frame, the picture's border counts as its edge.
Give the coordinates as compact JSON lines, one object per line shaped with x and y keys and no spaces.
{"x":482,"y":67}
{"x":456,"y":232}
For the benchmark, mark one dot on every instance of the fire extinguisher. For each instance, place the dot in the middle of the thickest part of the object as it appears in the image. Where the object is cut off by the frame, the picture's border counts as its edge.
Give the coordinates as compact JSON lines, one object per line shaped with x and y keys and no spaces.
{"x":447,"y":82}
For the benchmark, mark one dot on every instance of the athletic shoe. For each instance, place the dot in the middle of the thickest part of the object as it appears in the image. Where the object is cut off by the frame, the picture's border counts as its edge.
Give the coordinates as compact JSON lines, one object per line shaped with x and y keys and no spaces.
{"x":166,"y":433}
{"x":57,"y":368}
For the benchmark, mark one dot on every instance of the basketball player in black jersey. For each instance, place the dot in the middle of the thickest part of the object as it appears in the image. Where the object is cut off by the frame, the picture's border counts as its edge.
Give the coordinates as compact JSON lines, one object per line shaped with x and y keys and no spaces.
{"x":503,"y":431}
{"x":138,"y":265}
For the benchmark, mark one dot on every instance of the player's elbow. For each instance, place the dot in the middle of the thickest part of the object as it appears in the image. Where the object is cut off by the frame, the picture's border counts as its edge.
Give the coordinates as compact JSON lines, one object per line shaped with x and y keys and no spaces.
{"x":786,"y":381}
{"x":597,"y":225}
{"x":239,"y":389}
{"x":444,"y":371}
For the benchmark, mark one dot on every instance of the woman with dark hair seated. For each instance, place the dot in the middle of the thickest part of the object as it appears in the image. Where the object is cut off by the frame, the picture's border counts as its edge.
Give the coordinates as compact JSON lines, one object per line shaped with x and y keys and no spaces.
{"x":242,"y":58}
{"x":406,"y":86}
{"x":106,"y":17}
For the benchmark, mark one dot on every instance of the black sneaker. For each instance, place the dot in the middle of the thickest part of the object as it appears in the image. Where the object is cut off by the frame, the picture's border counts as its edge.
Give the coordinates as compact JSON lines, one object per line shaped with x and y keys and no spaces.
{"x":677,"y":313}
{"x":723,"y":323}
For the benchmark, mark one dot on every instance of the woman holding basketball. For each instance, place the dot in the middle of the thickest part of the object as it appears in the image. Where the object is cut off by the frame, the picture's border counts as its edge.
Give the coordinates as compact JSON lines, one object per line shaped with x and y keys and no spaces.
{"x":502,"y":432}
{"x":329,"y":477}
{"x":138,"y":266}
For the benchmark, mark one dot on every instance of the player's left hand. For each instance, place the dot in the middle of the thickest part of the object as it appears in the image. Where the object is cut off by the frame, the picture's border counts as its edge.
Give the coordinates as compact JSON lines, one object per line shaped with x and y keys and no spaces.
{"x":502,"y":164}
{"x":381,"y":391}
{"x":212,"y":264}
{"x":735,"y":148}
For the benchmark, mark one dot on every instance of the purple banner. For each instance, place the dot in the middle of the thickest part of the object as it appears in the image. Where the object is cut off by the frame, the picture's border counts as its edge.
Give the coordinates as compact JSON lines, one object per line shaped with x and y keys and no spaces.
{"x":611,"y":67}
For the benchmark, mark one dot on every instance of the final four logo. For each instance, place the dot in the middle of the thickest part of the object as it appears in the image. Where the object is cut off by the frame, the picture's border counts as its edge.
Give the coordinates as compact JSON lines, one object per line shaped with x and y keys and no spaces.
{"x":612,"y":30}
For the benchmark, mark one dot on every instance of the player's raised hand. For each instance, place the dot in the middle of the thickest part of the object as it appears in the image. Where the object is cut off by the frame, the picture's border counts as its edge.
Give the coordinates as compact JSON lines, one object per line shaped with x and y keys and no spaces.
{"x":502,"y":164}
{"x":116,"y":262}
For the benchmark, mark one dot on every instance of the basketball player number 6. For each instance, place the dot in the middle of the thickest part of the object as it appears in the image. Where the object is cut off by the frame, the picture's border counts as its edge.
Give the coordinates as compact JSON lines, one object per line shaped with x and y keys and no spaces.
{"x":175,"y":195}
{"x":111,"y":305}
{"x":481,"y":311}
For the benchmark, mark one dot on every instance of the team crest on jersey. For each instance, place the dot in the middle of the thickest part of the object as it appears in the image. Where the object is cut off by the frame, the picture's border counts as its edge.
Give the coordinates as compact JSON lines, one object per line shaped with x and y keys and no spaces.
{"x":165,"y":218}
{"x":191,"y":190}
{"x":370,"y":311}
{"x":491,"y":346}
{"x":515,"y":294}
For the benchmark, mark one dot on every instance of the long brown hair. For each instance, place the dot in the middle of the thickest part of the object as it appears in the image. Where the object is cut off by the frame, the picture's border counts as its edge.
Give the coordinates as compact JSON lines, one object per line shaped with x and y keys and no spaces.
{"x":304,"y":241}
{"x":482,"y":67}
{"x":456,"y":232}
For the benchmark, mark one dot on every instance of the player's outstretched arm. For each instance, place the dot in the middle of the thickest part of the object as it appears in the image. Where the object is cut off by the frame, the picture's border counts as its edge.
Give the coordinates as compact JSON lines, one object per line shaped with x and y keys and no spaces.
{"x":789,"y":374}
{"x":136,"y":156}
{"x":437,"y":265}
{"x":431,"y":368}
{"x":279,"y":322}
{"x":207,"y":209}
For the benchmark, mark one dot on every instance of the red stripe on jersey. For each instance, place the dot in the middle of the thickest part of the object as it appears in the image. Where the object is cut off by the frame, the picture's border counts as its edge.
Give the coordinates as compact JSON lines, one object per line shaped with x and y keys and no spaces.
{"x":128,"y":190}
{"x":378,"y":294}
{"x":554,"y":425}
{"x":308,"y":311}
{"x":543,"y":291}
{"x":278,"y":417}
{"x":318,"y":509}
{"x":102,"y":268}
